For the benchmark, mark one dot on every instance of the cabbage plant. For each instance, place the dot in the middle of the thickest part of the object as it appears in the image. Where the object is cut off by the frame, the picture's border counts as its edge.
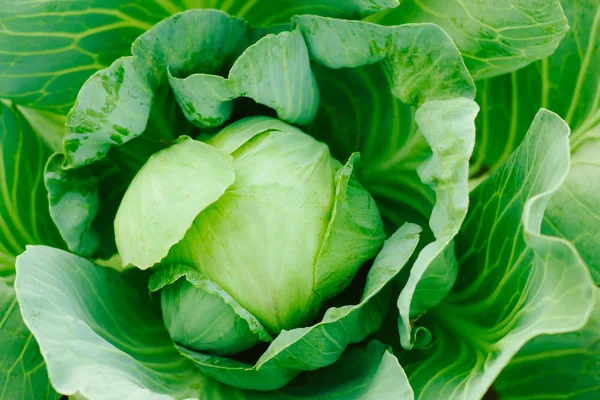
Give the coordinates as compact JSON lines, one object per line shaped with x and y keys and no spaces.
{"x":301,"y":199}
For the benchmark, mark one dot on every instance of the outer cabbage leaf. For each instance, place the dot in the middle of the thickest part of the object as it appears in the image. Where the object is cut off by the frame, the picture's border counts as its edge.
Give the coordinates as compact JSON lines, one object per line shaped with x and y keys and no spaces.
{"x":449,"y":129}
{"x":514,"y":283}
{"x":574,"y":213}
{"x":24,"y":219}
{"x":568,"y":83}
{"x":274,"y":72}
{"x":22,"y":369}
{"x":48,"y":125}
{"x":565,"y":82}
{"x":365,"y":373}
{"x":556,"y":366}
{"x":494,"y":37}
{"x":117,"y":346}
{"x":407,"y":51}
{"x":74,"y":204}
{"x":355,"y":223}
{"x":44,"y":67}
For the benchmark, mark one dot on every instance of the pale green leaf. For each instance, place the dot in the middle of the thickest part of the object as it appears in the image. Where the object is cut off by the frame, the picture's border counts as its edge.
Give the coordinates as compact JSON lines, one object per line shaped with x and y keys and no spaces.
{"x":73,"y":198}
{"x":568,"y":83}
{"x":355,"y":233}
{"x":514,"y":283}
{"x":449,"y":128}
{"x":111,"y":108}
{"x":553,"y":367}
{"x":99,"y":332}
{"x":574,"y":212}
{"x":81,"y":215}
{"x":232,"y":137}
{"x":423,"y":62}
{"x":368,"y":372}
{"x":114,"y":105}
{"x":160,"y":204}
{"x":275,"y":72}
{"x":494,"y":37}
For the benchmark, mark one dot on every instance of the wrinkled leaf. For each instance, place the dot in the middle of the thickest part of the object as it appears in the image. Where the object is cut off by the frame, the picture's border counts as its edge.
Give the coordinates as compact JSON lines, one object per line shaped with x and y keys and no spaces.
{"x":567,"y":83}
{"x":423,"y":62}
{"x":494,"y":37}
{"x":513,"y":282}
{"x":449,"y":129}
{"x":274,"y":72}
{"x":79,"y":214}
{"x":114,"y":105}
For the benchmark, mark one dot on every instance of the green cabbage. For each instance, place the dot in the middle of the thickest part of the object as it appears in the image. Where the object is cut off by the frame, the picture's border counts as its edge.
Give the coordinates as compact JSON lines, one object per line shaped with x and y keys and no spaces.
{"x":299,"y":199}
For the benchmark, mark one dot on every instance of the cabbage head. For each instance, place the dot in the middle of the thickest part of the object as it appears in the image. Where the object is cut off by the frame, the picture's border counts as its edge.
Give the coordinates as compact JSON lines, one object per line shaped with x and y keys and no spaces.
{"x":299,"y":199}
